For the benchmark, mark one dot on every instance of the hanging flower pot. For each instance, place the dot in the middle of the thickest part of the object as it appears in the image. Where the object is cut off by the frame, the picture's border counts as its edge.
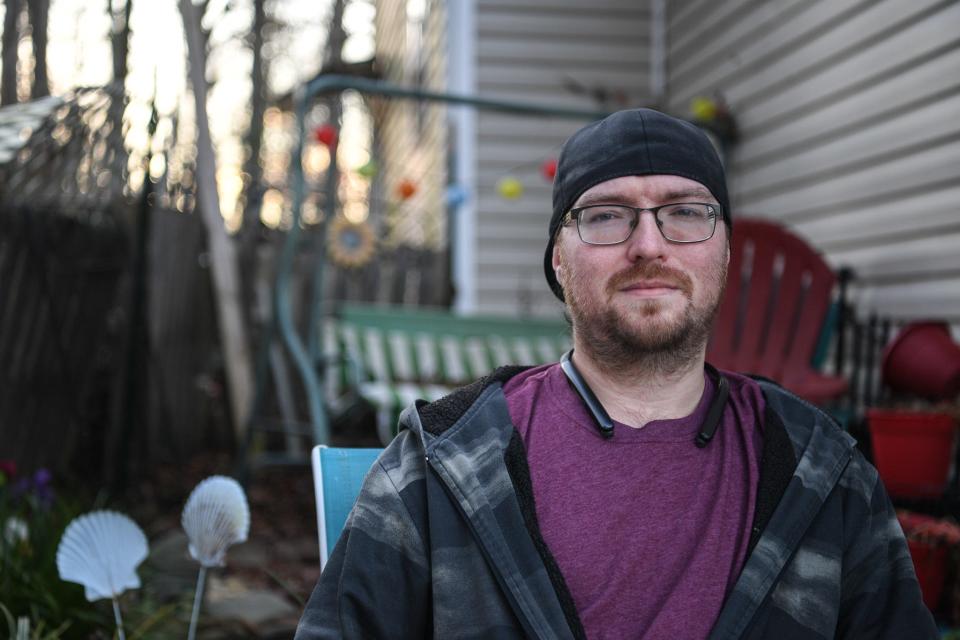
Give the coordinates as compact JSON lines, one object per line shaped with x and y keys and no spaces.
{"x":912,"y":450}
{"x":930,"y":563}
{"x":923,"y":360}
{"x":930,"y":541}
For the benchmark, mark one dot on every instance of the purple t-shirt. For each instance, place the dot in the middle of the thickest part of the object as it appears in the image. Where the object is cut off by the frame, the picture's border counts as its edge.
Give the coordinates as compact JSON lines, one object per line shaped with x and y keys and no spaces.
{"x":649,"y":531}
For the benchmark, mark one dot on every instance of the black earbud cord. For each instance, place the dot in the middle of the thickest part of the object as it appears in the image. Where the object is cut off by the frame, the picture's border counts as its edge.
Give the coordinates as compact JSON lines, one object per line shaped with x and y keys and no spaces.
{"x":605,"y":423}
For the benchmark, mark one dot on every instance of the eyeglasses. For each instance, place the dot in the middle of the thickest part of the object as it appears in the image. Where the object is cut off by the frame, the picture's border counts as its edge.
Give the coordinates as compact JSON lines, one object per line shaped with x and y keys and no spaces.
{"x":613,"y":223}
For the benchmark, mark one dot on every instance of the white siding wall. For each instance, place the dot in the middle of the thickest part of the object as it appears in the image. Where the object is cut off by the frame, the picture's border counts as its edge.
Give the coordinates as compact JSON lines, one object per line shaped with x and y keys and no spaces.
{"x":530,"y":50}
{"x":850,"y":131}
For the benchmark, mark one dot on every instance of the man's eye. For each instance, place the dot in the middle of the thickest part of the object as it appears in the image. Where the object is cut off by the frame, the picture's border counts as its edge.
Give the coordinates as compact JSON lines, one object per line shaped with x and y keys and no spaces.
{"x":601,"y":216}
{"x":687,"y":212}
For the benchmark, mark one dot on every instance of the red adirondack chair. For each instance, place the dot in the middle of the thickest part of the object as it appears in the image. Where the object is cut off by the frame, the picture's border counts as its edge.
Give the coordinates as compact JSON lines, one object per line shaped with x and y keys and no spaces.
{"x":778,"y":293}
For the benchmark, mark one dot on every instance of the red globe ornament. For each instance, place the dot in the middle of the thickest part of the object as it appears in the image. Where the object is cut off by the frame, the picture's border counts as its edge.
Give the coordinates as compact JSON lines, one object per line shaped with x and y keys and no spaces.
{"x":406,"y":188}
{"x":549,"y":168}
{"x":326,"y":134}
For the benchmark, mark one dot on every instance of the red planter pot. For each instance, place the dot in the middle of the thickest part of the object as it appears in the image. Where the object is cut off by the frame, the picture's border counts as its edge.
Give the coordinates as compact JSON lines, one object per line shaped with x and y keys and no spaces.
{"x":923,"y":360}
{"x":912,"y":450}
{"x":930,"y":563}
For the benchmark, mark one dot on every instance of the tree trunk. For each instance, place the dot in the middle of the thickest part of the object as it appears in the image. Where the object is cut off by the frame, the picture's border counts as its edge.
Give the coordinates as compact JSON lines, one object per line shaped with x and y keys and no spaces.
{"x":39,"y":11}
{"x":11,"y":38}
{"x":120,"y":45}
{"x":253,"y":175}
{"x":336,"y":37}
{"x":119,"y":39}
{"x":226,"y":280}
{"x":251,"y":214}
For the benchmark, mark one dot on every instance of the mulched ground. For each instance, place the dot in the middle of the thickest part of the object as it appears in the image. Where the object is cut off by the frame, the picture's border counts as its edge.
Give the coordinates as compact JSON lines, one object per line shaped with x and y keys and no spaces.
{"x":281,"y":552}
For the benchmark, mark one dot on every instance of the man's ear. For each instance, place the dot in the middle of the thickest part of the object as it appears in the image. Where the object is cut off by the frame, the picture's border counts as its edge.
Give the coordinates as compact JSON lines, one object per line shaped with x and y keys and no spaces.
{"x":557,"y":266}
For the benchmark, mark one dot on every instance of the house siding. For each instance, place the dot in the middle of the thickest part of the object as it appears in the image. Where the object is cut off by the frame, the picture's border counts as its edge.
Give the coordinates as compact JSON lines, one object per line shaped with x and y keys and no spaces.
{"x":849,"y":117}
{"x":557,"y":53}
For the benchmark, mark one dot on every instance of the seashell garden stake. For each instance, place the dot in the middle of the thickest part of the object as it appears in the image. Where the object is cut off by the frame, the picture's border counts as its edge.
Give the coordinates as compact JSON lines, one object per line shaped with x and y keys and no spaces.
{"x":216,"y":516}
{"x":101,"y":550}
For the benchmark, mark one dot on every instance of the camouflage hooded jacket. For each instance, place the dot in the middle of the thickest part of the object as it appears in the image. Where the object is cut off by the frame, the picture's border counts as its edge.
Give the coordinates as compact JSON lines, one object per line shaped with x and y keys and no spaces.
{"x":443,"y":541}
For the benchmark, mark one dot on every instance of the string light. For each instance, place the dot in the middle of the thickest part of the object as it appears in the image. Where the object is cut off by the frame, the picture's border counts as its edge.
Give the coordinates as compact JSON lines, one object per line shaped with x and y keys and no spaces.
{"x":325,"y":134}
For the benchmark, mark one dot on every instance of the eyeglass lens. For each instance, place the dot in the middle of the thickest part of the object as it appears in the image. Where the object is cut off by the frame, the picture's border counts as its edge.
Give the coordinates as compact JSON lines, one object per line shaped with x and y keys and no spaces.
{"x":612,"y":224}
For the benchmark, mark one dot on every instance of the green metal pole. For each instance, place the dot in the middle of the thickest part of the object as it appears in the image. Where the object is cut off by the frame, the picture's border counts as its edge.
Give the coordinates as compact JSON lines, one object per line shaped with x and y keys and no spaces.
{"x":282,"y":307}
{"x":326,"y":84}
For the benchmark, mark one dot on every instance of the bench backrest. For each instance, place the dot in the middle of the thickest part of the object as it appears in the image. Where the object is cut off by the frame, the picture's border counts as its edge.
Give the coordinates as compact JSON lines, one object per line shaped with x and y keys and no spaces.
{"x":436,"y":347}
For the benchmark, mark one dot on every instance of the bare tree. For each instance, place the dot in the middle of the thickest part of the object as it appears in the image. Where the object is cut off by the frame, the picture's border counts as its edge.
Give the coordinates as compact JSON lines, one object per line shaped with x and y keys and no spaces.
{"x":119,"y":38}
{"x":11,"y":38}
{"x":39,"y":12}
{"x":253,"y":190}
{"x":120,"y":46}
{"x":226,"y":277}
{"x":258,"y":104}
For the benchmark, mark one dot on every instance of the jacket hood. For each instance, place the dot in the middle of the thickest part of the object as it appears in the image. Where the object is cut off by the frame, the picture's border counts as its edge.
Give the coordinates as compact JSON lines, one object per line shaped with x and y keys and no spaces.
{"x":430,"y":419}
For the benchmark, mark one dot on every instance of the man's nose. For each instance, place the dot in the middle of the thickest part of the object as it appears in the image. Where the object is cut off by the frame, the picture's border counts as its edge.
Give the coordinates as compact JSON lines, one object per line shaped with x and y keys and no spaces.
{"x":646,"y":242}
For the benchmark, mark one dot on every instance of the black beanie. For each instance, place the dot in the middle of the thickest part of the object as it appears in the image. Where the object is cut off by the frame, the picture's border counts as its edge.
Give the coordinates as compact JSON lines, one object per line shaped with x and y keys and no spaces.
{"x":631,"y":143}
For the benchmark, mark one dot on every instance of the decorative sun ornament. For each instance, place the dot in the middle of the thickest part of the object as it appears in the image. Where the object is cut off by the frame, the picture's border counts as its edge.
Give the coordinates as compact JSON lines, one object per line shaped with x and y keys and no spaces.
{"x":326,"y":134}
{"x":350,"y":244}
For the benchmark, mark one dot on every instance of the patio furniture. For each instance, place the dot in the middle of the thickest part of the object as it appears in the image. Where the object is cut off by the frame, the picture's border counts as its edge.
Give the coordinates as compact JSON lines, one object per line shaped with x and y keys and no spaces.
{"x":391,"y":356}
{"x":779,"y":293}
{"x":338,"y":474}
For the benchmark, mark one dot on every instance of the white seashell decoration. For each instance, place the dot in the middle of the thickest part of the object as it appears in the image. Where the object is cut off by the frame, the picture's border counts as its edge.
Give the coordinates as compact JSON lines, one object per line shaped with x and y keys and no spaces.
{"x":101,"y":550}
{"x":216,"y":516}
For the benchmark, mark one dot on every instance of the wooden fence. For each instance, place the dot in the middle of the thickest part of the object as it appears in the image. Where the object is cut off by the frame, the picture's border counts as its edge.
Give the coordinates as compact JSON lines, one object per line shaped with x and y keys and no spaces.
{"x":58,"y":278}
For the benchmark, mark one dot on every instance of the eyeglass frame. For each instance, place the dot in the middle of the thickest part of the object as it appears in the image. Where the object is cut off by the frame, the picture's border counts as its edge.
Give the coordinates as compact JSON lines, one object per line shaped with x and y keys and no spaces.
{"x":574,"y":215}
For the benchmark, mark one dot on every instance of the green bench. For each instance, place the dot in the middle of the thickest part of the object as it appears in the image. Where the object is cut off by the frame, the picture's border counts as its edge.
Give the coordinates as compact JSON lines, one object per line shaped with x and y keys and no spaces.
{"x":392,"y":356}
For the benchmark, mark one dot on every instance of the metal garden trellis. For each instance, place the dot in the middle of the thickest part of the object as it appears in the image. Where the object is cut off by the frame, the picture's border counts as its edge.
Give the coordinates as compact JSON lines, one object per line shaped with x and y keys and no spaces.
{"x":306,"y":356}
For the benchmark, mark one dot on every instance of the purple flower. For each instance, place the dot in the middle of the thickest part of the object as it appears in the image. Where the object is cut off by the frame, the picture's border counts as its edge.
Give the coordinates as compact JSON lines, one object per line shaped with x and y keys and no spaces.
{"x":42,"y":489}
{"x":41,"y":478}
{"x":37,"y":489}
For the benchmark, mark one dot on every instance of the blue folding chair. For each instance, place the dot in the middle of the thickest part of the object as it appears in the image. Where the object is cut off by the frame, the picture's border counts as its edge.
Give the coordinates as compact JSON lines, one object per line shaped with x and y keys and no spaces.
{"x":338,"y":474}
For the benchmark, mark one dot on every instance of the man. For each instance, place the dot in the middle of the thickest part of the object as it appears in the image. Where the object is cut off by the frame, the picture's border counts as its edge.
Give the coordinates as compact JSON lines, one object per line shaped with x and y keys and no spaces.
{"x":631,"y":490}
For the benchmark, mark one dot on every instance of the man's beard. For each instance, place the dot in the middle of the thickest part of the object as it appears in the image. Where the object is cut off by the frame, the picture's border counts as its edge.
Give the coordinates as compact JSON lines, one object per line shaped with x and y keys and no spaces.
{"x":616,"y":340}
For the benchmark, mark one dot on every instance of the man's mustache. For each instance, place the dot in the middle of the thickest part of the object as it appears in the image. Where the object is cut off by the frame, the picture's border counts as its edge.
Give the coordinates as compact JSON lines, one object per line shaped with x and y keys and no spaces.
{"x":646,"y":271}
